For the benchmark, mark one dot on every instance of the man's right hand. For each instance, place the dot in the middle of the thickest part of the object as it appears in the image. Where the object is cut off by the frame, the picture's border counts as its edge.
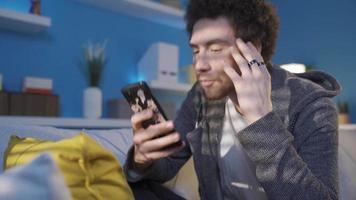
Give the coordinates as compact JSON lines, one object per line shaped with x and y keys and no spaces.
{"x":150,"y":143}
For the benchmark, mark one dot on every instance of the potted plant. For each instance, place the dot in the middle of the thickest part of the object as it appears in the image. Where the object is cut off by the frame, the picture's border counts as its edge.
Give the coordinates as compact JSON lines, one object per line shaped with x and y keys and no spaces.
{"x":92,"y":68}
{"x":343,"y":109}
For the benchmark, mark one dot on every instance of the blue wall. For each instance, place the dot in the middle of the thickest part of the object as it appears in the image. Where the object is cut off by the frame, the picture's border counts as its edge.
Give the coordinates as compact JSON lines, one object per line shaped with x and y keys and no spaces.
{"x":56,"y":52}
{"x":320,"y":34}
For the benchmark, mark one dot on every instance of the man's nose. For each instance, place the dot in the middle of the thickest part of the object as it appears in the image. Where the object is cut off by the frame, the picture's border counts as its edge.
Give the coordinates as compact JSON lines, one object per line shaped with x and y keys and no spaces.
{"x":201,"y":63}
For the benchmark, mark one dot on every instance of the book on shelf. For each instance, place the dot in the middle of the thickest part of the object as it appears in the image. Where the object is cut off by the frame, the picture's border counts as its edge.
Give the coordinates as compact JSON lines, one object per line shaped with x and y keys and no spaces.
{"x":37,"y":85}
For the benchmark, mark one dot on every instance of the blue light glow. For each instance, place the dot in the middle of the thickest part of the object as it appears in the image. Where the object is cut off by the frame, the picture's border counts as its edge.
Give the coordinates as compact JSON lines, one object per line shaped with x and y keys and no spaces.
{"x":18,"y":5}
{"x":141,"y":77}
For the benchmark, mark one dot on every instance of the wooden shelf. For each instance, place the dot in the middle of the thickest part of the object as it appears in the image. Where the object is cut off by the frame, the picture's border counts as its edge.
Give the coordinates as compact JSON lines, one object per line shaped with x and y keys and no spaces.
{"x":59,"y":122}
{"x":23,"y":22}
{"x":177,"y":87}
{"x":144,"y":9}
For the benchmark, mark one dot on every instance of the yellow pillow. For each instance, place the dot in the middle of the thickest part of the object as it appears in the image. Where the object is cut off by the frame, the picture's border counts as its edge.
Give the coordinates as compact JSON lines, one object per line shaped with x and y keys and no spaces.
{"x":90,"y":171}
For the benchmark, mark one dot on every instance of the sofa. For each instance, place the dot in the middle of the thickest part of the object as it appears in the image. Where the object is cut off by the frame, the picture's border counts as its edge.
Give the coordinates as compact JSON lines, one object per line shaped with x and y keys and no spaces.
{"x":118,"y":141}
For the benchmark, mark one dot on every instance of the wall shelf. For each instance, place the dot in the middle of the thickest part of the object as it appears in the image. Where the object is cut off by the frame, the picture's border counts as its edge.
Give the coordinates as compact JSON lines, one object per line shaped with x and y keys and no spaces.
{"x":23,"y":22}
{"x":177,"y":87}
{"x":59,"y":122}
{"x":143,"y":9}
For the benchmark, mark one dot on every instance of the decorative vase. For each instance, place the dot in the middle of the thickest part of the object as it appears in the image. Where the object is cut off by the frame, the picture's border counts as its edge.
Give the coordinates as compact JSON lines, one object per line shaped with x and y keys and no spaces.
{"x":92,"y":102}
{"x":343,"y":118}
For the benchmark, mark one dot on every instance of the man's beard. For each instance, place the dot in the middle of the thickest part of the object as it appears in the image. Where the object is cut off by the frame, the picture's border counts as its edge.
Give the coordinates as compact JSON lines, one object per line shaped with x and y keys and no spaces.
{"x":219,"y":92}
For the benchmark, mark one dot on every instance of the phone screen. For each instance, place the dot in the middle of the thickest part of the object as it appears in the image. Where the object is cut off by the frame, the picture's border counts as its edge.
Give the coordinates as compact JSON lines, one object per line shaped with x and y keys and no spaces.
{"x":140,"y":98}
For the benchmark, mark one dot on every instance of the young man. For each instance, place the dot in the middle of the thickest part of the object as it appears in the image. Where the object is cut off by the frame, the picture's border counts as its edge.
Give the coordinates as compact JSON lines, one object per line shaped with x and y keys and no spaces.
{"x":254,"y":130}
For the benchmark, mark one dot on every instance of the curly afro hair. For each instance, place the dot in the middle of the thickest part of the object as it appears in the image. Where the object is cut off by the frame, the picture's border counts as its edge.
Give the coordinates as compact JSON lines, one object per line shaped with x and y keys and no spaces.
{"x":252,"y":20}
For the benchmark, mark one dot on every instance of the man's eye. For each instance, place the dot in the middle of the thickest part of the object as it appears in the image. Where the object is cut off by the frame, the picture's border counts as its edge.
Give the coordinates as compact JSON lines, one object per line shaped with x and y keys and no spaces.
{"x":216,"y":50}
{"x":195,"y":52}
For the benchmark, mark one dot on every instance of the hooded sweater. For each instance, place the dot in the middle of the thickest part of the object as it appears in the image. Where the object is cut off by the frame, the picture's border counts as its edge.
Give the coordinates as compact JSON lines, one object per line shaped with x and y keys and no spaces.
{"x":294,"y":147}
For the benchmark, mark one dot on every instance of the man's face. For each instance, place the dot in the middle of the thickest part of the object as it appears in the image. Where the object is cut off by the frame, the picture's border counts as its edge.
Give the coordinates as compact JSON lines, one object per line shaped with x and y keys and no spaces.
{"x":210,"y":42}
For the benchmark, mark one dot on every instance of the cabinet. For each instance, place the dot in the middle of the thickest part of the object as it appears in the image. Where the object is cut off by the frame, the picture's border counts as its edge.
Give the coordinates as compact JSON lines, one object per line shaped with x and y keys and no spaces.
{"x":23,"y":22}
{"x":4,"y":103}
{"x":143,"y":9}
{"x":26,"y":104}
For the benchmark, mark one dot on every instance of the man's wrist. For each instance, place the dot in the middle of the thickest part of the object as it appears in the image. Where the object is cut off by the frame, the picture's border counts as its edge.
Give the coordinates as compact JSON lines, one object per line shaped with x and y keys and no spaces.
{"x":255,"y":117}
{"x":140,"y":167}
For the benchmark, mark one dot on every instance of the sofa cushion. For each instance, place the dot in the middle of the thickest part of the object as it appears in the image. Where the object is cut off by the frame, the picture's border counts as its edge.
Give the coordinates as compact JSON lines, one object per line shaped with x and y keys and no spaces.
{"x":90,"y":171}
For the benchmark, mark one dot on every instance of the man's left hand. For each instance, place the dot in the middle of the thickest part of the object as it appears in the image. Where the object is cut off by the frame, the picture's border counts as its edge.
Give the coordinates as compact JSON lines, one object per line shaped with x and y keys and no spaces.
{"x":253,"y":86}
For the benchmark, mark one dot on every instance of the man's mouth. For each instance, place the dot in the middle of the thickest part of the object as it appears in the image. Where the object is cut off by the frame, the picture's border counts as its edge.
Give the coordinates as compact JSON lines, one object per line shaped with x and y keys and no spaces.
{"x":206,"y":83}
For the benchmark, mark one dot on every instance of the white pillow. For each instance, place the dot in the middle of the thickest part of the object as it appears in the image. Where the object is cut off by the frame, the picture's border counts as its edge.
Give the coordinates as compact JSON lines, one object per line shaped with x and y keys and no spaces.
{"x":40,"y":179}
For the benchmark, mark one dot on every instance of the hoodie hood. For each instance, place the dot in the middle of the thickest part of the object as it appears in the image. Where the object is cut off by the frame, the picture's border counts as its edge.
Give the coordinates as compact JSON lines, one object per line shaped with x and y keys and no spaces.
{"x":326,"y":81}
{"x":312,"y":81}
{"x":291,"y":93}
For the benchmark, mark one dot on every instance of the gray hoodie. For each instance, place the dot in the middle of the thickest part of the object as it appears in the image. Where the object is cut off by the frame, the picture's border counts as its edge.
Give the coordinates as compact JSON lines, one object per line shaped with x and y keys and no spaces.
{"x":294,"y":147}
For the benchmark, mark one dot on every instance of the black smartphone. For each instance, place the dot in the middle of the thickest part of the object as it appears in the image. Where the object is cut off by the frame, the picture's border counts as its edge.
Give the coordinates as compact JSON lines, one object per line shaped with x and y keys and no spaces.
{"x":139,"y":97}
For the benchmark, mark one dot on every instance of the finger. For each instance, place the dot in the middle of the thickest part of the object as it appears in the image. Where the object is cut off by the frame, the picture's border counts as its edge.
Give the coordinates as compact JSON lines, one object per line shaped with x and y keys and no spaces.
{"x":232,"y":74}
{"x":256,"y":54}
{"x":164,"y":153}
{"x":244,"y":49}
{"x":138,"y":118}
{"x":262,"y":67}
{"x":240,"y":61}
{"x":153,"y":132}
{"x":160,"y":142}
{"x":259,"y":70}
